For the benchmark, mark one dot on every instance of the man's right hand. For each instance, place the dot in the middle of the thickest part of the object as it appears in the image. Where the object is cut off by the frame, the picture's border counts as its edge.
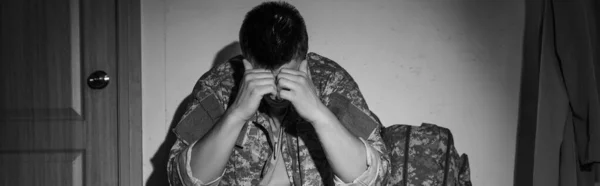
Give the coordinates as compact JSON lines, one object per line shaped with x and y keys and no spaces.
{"x":254,"y":84}
{"x":211,"y":152}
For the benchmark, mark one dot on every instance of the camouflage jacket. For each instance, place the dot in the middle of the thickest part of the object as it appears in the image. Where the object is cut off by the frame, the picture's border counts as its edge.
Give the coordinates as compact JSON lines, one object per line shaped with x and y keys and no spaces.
{"x":303,"y":156}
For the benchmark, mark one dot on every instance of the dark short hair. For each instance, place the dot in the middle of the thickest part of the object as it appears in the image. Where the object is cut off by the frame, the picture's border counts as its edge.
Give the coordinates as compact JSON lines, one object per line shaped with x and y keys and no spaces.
{"x":272,"y":34}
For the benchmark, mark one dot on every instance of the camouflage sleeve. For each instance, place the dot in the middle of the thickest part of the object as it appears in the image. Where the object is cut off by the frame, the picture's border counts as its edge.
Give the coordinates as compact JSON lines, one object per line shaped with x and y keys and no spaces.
{"x":370,"y":175}
{"x":179,"y":170}
{"x":173,"y":166}
{"x":363,"y":121}
{"x":201,"y":114}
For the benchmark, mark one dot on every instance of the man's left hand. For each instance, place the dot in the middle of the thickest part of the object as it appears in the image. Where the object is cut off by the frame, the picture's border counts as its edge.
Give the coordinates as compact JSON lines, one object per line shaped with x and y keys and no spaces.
{"x":296,"y":86}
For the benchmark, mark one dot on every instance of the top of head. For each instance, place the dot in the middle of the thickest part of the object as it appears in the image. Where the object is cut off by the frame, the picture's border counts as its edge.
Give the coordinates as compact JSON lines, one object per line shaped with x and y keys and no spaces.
{"x":273,"y":34}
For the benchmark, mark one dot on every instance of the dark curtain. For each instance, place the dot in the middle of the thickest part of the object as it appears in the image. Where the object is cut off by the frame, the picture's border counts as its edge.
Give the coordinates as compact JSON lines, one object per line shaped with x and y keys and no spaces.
{"x":576,"y":37}
{"x":576,"y":48}
{"x":559,"y":115}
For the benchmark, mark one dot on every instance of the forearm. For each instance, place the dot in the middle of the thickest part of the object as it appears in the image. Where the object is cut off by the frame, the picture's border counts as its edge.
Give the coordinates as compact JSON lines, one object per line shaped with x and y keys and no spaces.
{"x":344,"y":151}
{"x":211,"y":153}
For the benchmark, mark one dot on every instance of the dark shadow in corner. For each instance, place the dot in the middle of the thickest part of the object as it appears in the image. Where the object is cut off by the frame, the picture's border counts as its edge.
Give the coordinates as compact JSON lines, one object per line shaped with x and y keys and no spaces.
{"x":161,"y":157}
{"x":158,"y":177}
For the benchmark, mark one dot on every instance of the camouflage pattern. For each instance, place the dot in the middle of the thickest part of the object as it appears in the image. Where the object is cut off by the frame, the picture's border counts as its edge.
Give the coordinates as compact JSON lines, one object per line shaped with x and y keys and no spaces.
{"x":424,"y":155}
{"x":303,"y":156}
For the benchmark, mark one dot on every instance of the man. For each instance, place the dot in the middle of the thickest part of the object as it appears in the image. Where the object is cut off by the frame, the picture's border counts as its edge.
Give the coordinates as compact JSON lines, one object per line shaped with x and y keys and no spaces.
{"x":277,"y":115}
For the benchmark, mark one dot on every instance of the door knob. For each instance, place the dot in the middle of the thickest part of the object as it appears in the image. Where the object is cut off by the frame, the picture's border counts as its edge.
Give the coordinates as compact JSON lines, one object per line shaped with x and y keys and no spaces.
{"x":98,"y":80}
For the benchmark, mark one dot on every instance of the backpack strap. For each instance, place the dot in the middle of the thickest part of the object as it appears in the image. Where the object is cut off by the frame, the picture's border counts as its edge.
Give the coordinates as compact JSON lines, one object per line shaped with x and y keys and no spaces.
{"x":406,"y":149}
{"x":449,"y":144}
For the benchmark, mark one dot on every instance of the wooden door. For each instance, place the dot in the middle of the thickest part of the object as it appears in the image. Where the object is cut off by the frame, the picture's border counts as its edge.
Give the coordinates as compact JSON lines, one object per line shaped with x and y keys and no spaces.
{"x":54,"y":129}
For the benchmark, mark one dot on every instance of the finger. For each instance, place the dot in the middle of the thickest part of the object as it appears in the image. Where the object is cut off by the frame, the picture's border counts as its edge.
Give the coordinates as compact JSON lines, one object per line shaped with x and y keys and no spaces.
{"x":261,"y":82}
{"x":291,"y":77}
{"x":256,"y":70}
{"x":247,"y":64}
{"x":304,"y":66}
{"x":292,"y":72}
{"x":287,"y":95}
{"x":258,"y":75}
{"x":262,"y":90}
{"x":285,"y":83}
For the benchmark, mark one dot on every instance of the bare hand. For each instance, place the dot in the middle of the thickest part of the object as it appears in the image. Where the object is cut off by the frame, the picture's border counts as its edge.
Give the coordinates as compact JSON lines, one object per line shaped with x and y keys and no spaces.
{"x":297,"y":87}
{"x":254,"y":84}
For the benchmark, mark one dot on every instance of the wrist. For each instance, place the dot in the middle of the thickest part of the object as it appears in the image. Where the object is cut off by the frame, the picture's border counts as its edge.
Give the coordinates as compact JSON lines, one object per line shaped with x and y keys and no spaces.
{"x":237,"y":114}
{"x":232,"y":120}
{"x":324,"y":117}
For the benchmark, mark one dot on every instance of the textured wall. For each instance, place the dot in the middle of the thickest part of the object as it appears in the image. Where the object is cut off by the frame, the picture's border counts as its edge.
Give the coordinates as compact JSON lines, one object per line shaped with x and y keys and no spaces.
{"x":455,"y":63}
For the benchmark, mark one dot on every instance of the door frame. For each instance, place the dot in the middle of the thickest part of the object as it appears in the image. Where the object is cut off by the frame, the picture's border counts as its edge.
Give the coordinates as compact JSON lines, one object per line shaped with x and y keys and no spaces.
{"x":129,"y":80}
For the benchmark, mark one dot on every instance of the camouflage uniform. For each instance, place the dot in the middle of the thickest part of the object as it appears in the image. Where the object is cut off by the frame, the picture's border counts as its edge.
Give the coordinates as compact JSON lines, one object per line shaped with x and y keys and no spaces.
{"x":303,"y":156}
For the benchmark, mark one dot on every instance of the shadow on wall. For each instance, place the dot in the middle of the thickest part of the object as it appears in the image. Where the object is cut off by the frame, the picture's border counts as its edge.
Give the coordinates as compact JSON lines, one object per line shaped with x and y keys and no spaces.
{"x":161,"y":157}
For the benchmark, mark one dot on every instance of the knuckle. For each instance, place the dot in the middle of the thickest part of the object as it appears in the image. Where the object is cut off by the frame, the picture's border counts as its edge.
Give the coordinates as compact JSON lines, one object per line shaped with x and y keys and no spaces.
{"x":253,"y":91}
{"x":251,"y":83}
{"x":302,"y":79}
{"x":246,"y":79}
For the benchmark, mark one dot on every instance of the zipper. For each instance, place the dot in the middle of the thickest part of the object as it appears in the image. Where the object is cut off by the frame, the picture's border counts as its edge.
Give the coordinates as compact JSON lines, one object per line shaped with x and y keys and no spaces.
{"x":278,"y":143}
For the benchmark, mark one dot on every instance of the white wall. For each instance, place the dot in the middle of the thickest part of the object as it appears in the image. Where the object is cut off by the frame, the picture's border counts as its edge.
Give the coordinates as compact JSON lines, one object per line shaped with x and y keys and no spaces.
{"x":455,"y":63}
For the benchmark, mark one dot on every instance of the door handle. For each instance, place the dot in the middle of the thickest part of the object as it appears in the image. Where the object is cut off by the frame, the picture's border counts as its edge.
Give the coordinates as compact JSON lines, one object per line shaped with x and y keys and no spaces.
{"x":98,"y":80}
